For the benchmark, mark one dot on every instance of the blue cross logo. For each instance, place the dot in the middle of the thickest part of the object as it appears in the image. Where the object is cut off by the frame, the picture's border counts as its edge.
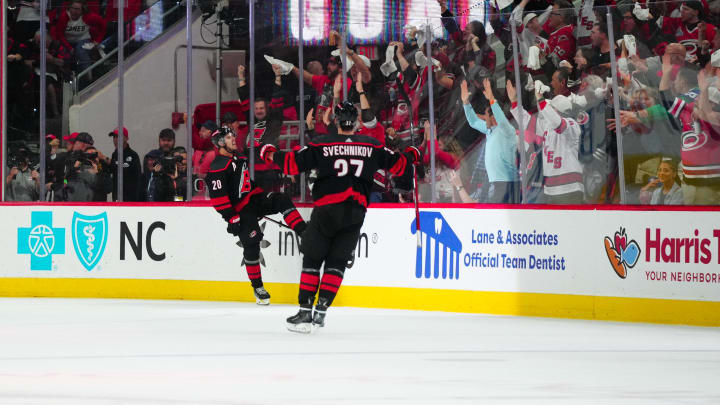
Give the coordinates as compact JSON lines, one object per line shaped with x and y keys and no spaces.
{"x":41,"y":241}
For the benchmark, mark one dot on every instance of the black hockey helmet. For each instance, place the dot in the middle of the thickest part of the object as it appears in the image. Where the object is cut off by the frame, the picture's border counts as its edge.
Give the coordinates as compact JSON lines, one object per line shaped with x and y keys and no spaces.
{"x":218,"y":137}
{"x":346,"y":114}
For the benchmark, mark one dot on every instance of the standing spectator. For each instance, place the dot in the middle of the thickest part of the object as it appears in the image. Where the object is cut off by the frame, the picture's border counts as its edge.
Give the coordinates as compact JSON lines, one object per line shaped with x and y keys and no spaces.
{"x":51,"y":159}
{"x":561,"y":41}
{"x":268,"y":122}
{"x":27,"y":21}
{"x":81,"y":30}
{"x":131,"y":168}
{"x":166,"y":143}
{"x":501,"y":148}
{"x":687,"y":29}
{"x":58,"y":58}
{"x":600,"y":64}
{"x":22,"y":182}
{"x":560,"y":140}
{"x":471,"y":47}
{"x":529,"y":28}
{"x":103,"y":176}
{"x":204,"y":153}
{"x":80,"y":171}
{"x":150,"y":168}
{"x":180,"y":155}
{"x":164,"y":176}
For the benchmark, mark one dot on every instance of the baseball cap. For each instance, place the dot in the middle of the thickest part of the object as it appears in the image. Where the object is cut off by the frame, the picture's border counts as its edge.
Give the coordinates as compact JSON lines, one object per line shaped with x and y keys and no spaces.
{"x":209,"y":125}
{"x":115,"y":132}
{"x":229,"y":117}
{"x":528,"y":17}
{"x":50,"y":137}
{"x":71,"y":138}
{"x":84,"y":137}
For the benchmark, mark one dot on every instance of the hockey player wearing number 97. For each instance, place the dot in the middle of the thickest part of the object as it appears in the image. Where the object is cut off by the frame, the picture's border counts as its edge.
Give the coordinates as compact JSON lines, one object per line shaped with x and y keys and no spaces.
{"x":345,"y":164}
{"x":241,"y":203}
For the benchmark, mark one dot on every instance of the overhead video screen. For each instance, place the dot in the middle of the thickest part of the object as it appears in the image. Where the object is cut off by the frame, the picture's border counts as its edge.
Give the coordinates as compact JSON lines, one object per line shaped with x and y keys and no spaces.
{"x":367,"y":21}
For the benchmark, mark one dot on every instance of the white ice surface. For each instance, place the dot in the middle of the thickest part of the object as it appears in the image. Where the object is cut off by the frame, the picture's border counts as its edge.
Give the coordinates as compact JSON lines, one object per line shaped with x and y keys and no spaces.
{"x":88,"y":351}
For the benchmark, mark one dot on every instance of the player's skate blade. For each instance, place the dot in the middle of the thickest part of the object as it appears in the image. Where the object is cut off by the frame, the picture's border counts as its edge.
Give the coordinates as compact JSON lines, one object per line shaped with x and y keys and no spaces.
{"x":300,"y":322}
{"x":262,"y":297}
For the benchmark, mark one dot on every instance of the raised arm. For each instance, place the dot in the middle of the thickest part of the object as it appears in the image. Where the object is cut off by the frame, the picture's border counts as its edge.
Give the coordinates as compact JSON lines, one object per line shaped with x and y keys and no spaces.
{"x":399,"y":53}
{"x":472,"y":118}
{"x":494,"y":106}
{"x":307,"y":76}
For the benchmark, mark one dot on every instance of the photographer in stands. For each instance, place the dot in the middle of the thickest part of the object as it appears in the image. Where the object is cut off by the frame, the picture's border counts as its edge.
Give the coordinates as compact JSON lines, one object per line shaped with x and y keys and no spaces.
{"x":23,"y":181}
{"x":164,"y":176}
{"x":81,"y":169}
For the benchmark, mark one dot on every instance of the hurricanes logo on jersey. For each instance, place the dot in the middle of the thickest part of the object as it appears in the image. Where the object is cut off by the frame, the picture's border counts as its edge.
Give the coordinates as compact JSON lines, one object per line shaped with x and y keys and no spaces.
{"x":692,"y":140}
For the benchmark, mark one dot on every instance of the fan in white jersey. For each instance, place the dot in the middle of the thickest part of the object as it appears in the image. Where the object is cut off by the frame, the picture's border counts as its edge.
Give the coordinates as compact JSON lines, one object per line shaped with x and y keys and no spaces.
{"x":560,"y":139}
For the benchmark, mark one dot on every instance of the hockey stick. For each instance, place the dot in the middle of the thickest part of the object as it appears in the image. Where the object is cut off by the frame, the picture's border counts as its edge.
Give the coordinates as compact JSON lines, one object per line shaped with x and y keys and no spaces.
{"x":278,"y":222}
{"x":416,"y":198}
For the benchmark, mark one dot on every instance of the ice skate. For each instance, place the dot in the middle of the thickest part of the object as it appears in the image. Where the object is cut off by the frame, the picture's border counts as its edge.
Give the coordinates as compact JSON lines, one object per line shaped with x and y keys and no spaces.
{"x":262,"y":297}
{"x":318,"y":320}
{"x":301,"y":322}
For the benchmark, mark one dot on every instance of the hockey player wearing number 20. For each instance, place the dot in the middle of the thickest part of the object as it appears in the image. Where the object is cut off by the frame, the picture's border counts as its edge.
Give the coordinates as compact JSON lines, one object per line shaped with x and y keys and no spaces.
{"x":345,"y":164}
{"x":241,"y":203}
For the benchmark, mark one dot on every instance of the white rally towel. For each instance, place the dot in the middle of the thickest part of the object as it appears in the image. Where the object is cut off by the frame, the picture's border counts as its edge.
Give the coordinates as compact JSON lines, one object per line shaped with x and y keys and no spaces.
{"x":642,"y":14}
{"x":421,"y":61}
{"x":540,"y":87}
{"x":285,"y":67}
{"x":715,"y":59}
{"x":714,"y":95}
{"x":534,"y":58}
{"x":389,"y":66}
{"x":630,"y":44}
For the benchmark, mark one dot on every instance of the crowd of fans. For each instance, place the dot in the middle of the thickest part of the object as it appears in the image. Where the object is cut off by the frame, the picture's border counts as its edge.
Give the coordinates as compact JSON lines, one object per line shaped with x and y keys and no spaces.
{"x":84,"y":173}
{"x":79,"y":33}
{"x":549,"y":138}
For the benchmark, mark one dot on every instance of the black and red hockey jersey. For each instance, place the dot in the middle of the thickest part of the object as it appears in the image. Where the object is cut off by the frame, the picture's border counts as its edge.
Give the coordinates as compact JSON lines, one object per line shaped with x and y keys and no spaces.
{"x":345,"y":166}
{"x":230,"y":186}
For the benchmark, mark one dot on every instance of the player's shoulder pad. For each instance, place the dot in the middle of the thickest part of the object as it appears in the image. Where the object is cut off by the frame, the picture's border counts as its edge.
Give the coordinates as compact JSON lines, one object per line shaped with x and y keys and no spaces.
{"x":220,"y":163}
{"x":366,"y":139}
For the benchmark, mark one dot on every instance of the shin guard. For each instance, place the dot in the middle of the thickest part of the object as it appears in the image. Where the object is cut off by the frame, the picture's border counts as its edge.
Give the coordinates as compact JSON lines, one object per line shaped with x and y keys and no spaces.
{"x":329,"y":286}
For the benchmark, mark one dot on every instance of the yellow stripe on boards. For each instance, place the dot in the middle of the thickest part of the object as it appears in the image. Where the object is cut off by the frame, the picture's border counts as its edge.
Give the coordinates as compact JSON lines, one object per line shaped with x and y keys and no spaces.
{"x":700,"y":313}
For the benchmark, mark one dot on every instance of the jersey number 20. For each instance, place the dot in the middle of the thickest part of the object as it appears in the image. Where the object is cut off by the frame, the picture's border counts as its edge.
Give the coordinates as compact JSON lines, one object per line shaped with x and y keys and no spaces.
{"x":342,"y":166}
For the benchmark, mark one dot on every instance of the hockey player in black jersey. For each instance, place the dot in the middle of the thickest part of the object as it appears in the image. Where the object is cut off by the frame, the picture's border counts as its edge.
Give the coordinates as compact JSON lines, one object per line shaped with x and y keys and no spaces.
{"x":345,"y":165}
{"x":241,"y":203}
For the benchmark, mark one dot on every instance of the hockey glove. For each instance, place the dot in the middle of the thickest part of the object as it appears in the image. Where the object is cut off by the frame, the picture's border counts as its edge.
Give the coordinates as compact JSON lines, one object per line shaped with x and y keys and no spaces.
{"x":267,"y":151}
{"x":234,"y":226}
{"x":415,"y":152}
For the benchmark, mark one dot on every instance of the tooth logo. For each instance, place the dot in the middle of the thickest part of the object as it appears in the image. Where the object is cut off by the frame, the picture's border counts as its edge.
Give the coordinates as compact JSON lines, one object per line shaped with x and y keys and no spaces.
{"x":439,"y":255}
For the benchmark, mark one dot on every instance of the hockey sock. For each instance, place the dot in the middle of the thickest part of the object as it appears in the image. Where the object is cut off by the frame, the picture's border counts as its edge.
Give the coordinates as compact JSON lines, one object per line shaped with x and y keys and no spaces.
{"x":329,"y":286}
{"x":253,"y":271}
{"x":309,"y":281}
{"x":294,"y":220}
